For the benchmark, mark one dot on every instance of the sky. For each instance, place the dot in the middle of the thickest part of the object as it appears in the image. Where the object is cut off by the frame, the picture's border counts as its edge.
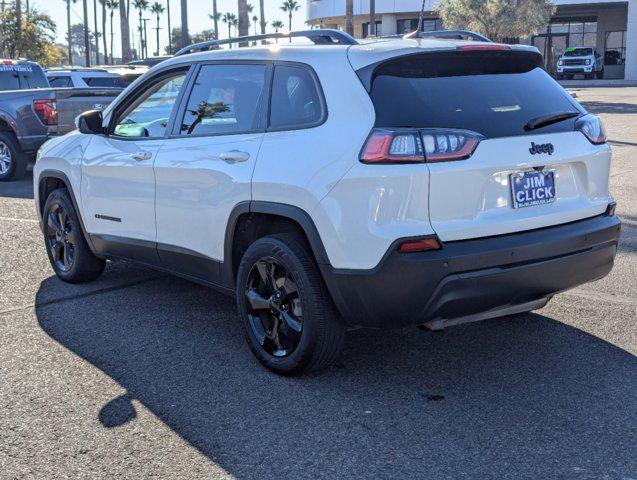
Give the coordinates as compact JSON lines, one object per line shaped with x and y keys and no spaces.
{"x":198,"y":20}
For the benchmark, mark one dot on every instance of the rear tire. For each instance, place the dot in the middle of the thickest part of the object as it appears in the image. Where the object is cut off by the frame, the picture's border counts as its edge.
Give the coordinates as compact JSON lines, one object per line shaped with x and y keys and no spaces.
{"x":69,"y":254}
{"x":287,"y":315}
{"x":13,"y":163}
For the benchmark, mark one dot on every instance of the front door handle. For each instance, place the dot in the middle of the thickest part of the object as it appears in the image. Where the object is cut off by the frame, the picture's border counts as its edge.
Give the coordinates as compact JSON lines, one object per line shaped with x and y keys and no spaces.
{"x":234,"y":156}
{"x":141,"y":156}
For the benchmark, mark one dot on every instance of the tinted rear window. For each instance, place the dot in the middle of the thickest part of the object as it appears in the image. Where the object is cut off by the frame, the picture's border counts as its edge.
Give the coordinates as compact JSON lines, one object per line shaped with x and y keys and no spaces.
{"x":105,"y":82}
{"x":494,"y":94}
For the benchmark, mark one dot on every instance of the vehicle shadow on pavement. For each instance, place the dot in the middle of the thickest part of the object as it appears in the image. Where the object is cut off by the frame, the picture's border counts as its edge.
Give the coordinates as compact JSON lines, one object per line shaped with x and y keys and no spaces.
{"x":522,"y":397}
{"x":20,"y":189}
{"x":598,"y":107}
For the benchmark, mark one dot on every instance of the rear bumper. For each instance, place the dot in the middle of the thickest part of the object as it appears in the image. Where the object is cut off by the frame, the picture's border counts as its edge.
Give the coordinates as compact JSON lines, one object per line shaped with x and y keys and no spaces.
{"x":32,"y":143}
{"x":474,"y":277}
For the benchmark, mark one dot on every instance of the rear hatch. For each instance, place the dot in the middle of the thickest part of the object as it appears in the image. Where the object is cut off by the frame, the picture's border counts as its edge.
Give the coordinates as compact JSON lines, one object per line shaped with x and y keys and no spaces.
{"x":501,"y":139}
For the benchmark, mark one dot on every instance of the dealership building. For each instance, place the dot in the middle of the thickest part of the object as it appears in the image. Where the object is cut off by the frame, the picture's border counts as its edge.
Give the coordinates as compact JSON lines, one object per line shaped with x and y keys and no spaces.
{"x":610,"y":26}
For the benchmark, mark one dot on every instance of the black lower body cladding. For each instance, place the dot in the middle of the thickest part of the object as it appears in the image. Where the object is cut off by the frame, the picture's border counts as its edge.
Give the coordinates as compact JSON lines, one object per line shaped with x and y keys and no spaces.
{"x":471,"y":277}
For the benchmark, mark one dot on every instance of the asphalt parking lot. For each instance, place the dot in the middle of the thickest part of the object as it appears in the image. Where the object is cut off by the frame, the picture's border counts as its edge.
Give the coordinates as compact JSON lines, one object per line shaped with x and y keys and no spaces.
{"x":141,"y":375}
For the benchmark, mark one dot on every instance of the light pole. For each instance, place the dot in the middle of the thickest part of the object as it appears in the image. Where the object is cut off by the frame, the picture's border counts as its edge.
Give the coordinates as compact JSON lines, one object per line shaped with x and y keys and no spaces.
{"x":145,"y":39}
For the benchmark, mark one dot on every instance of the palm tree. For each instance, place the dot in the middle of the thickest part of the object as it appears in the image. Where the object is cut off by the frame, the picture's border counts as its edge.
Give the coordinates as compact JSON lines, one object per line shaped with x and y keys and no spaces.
{"x":103,"y":4}
{"x":157,"y":8}
{"x":372,"y":18}
{"x":262,"y":14}
{"x":277,"y":24}
{"x":97,"y":34}
{"x":87,"y":43}
{"x":125,"y":30}
{"x":112,"y":6}
{"x":215,"y":18}
{"x":229,"y":19}
{"x":141,"y":6}
{"x":170,"y":33}
{"x":185,"y":36}
{"x":291,"y":6}
{"x":68,"y":24}
{"x":255,"y":21}
{"x":244,"y":18}
{"x":349,"y":16}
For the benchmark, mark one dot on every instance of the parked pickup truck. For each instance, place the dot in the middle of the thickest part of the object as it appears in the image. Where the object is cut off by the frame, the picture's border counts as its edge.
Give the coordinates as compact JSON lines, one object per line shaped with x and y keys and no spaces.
{"x":30,"y":116}
{"x":584,"y":60}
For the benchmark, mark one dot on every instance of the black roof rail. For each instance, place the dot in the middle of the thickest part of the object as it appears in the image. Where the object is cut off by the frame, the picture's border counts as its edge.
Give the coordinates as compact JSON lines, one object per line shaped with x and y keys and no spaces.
{"x":318,"y":37}
{"x":450,"y":34}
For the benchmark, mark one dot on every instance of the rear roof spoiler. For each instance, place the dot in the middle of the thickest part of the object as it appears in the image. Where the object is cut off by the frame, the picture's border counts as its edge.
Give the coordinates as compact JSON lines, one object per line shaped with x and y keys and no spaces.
{"x":450,"y":35}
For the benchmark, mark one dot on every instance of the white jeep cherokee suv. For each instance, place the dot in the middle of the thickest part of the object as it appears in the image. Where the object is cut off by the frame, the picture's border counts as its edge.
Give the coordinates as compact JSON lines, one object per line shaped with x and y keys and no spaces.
{"x":385,"y":184}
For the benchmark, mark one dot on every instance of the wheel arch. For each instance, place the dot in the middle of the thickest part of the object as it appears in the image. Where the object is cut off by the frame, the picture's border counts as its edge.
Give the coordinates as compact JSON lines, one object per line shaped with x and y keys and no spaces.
{"x":247,"y":220}
{"x":50,"y":180}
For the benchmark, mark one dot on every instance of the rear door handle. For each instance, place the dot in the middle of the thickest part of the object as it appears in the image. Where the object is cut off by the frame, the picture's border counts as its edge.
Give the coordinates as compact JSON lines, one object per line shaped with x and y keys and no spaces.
{"x":234,"y":156}
{"x":141,"y":156}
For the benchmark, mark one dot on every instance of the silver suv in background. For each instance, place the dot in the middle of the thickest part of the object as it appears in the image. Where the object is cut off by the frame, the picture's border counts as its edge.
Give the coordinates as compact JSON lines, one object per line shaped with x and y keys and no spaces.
{"x":119,"y":76}
{"x":580,"y":60}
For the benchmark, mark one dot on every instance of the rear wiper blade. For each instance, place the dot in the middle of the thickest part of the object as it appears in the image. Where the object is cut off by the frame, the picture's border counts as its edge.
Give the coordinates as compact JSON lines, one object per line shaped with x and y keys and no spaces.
{"x":545,"y":120}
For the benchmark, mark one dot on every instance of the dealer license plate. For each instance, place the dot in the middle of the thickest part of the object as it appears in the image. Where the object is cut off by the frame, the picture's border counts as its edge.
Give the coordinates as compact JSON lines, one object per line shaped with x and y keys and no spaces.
{"x":532,"y":188}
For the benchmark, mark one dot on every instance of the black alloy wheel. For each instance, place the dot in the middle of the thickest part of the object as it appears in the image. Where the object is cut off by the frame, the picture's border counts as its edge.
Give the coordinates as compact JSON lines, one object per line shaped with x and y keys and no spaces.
{"x":61,"y":238}
{"x":274,"y":307}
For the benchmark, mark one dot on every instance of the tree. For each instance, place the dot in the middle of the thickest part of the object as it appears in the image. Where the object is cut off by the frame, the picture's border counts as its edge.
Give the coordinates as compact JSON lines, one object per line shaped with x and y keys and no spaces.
{"x":97,"y":34}
{"x":141,"y":6}
{"x":124,"y":31}
{"x":87,"y":48}
{"x":185,"y":36}
{"x":372,"y":18}
{"x":349,"y":16}
{"x":112,"y":6}
{"x":277,"y":25}
{"x":291,"y":6}
{"x":34,"y":40}
{"x":255,"y":22}
{"x":157,"y":8}
{"x":244,"y":19}
{"x":170,"y":42}
{"x":215,"y":18}
{"x":262,"y":15}
{"x":497,"y":19}
{"x":68,"y":29}
{"x":229,"y":19}
{"x":103,"y":34}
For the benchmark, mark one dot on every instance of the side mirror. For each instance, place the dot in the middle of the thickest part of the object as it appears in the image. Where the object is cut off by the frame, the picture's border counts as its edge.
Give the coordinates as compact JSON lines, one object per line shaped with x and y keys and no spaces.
{"x":90,"y":122}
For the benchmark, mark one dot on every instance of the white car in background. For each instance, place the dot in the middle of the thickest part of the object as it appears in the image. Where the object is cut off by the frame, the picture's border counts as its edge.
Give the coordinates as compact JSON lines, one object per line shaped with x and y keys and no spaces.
{"x":96,"y":77}
{"x":396,"y":183}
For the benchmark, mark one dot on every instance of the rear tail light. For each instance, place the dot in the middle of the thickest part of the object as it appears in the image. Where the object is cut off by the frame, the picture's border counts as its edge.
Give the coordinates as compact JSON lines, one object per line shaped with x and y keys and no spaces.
{"x":420,"y":245}
{"x":592,"y":128}
{"x":446,"y":145}
{"x":46,"y":110}
{"x":416,"y":146}
{"x":393,"y":146}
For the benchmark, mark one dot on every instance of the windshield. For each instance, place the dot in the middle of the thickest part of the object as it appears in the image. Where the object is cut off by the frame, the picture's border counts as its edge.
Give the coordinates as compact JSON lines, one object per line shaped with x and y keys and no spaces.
{"x":488,"y":94}
{"x":578,"y":52}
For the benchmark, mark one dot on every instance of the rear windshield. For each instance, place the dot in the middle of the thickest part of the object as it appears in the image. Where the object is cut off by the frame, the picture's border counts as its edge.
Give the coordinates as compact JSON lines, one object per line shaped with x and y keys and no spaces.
{"x":578,"y":52}
{"x":494,"y":94}
{"x":17,"y":77}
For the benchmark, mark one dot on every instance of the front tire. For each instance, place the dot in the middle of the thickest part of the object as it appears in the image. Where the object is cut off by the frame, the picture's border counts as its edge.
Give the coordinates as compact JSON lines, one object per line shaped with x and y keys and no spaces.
{"x":13,"y":163}
{"x":287,"y":315}
{"x":69,"y":254}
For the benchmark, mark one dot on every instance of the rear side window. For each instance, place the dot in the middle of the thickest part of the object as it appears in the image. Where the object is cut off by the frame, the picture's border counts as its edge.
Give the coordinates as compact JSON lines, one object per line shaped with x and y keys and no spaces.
{"x":60,"y":81}
{"x":296,"y":101}
{"x":9,"y":80}
{"x":104,"y":82}
{"x":494,"y":94}
{"x":225,"y":99}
